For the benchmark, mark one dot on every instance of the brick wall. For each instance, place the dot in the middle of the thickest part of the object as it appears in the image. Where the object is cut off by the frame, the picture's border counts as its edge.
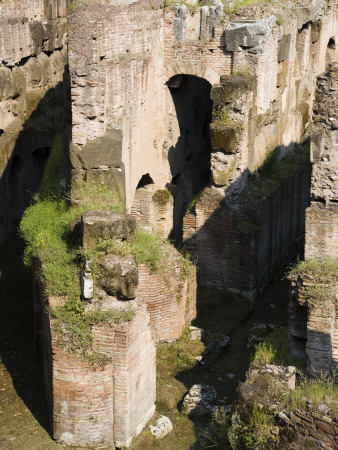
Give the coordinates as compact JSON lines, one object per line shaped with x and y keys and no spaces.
{"x":313,"y":329}
{"x":170,"y":301}
{"x":322,"y":215}
{"x":311,"y":429}
{"x":92,"y":406}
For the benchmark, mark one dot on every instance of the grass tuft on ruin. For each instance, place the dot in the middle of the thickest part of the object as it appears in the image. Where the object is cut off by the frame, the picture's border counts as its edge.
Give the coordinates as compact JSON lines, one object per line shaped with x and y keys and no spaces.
{"x":274,"y":349}
{"x":320,"y":276}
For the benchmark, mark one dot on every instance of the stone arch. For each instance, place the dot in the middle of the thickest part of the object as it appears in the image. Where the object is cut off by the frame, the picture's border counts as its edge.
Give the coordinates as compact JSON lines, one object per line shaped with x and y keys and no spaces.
{"x":17,"y":187}
{"x":188,"y":68}
{"x":141,"y":207}
{"x":190,"y":149}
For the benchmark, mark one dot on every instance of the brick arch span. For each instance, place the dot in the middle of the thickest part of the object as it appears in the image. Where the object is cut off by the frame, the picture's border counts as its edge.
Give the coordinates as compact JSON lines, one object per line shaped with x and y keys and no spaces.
{"x":188,"y":68}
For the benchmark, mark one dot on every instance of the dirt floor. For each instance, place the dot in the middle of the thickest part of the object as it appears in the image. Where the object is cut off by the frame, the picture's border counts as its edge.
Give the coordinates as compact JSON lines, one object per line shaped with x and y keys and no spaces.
{"x":23,"y":414}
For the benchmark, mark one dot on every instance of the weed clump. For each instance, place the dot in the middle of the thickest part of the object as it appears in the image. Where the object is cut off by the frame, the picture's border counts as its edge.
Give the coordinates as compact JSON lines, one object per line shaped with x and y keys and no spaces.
{"x":74,"y":327}
{"x":221,"y":115}
{"x":321,"y":276}
{"x":274,"y":350}
{"x":162,"y":197}
{"x":257,"y":434}
{"x":145,"y":247}
{"x":309,"y":393}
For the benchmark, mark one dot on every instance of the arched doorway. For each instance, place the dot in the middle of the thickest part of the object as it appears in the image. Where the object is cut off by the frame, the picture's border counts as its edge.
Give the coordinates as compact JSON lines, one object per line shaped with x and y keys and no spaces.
{"x":141,"y":207}
{"x":190,"y":149}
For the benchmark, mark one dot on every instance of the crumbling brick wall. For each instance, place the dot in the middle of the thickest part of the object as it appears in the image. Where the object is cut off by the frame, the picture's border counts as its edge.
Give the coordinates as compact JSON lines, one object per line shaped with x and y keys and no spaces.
{"x":322,"y":215}
{"x":109,"y":404}
{"x":313,"y":328}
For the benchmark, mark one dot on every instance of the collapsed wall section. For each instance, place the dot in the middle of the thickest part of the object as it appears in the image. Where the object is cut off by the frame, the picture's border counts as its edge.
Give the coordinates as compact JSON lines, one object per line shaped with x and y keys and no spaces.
{"x":100,"y":385}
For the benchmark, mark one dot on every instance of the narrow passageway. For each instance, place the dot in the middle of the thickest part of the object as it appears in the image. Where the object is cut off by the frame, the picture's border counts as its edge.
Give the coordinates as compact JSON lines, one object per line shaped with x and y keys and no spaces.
{"x":189,"y":154}
{"x":23,"y":413}
{"x":220,"y":314}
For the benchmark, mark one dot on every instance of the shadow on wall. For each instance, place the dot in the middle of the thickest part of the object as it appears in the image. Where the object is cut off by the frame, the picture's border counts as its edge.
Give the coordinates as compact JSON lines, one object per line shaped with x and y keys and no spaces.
{"x":240,"y":245}
{"x":47,"y":125}
{"x":189,"y":158}
{"x":22,"y":176}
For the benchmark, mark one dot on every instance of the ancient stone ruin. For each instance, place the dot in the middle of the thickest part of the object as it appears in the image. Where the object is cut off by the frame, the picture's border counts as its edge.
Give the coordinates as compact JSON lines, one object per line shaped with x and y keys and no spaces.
{"x":313,"y":328}
{"x":191,"y":125}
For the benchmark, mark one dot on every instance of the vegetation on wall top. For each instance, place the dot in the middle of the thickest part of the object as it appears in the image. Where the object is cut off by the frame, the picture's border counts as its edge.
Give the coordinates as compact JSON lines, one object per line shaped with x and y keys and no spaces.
{"x":320,"y":277}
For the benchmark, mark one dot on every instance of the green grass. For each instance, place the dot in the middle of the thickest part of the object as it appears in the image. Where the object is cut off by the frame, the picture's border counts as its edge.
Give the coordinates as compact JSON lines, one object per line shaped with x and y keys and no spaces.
{"x":276,"y":169}
{"x":146,"y":247}
{"x":194,"y":201}
{"x":271,"y":175}
{"x":221,"y":115}
{"x":45,"y":229}
{"x":94,"y":196}
{"x":242,"y":3}
{"x":53,"y":171}
{"x":322,"y":269}
{"x":256,"y":435}
{"x":310,"y":393}
{"x":322,"y":274}
{"x":274,"y":350}
{"x":74,"y":328}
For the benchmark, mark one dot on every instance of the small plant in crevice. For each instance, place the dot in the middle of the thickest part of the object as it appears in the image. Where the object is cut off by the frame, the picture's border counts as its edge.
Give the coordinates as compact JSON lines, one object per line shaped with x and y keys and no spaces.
{"x":322,"y":276}
{"x":243,"y":71}
{"x":221,"y":115}
{"x":242,"y":3}
{"x":194,"y":201}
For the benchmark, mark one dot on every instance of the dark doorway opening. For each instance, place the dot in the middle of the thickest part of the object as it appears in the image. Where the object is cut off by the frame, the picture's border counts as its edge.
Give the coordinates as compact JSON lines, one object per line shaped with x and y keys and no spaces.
{"x":330,"y":52}
{"x":17,"y":187}
{"x":141,"y":207}
{"x":189,"y":158}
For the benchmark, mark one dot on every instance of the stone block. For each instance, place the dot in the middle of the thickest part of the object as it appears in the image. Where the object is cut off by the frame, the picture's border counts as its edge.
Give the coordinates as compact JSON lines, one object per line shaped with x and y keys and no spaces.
{"x":118,"y":275}
{"x":248,"y":34}
{"x":162,"y":428}
{"x":223,"y":137}
{"x":223,"y":168}
{"x":284,"y":48}
{"x":231,"y":88}
{"x":102,"y":151}
{"x":180,"y":14}
{"x":196,"y":333}
{"x":200,"y":400}
{"x":98,"y":225}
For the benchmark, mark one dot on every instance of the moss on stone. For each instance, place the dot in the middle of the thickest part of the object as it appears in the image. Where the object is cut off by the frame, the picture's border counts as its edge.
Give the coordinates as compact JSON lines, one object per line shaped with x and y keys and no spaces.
{"x":162,"y":197}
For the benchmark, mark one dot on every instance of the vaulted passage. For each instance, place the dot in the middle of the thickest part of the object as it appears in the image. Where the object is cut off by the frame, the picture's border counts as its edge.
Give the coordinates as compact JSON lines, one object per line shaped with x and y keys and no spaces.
{"x":189,"y":157}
